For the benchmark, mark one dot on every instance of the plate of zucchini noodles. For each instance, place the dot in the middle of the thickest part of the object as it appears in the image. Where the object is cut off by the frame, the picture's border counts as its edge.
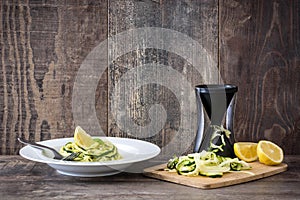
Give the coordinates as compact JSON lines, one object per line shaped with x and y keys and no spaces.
{"x":115,"y":155}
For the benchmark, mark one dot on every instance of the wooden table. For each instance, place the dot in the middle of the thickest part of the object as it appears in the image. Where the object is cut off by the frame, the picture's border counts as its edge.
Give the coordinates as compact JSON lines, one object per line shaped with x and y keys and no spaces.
{"x":23,"y":179}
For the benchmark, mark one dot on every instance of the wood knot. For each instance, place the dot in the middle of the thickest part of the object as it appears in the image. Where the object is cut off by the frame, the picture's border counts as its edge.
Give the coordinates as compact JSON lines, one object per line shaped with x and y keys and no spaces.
{"x":276,"y":133}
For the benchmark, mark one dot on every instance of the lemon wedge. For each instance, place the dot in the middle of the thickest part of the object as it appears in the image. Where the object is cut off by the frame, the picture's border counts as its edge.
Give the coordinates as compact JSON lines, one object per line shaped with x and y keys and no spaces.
{"x":269,"y":153}
{"x":84,"y":140}
{"x":245,"y":151}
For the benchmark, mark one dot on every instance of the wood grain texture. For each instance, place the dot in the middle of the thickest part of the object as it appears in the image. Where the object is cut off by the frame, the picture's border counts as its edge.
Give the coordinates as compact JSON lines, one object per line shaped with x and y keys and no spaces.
{"x":39,"y":181}
{"x":44,"y":43}
{"x":195,"y":19}
{"x":259,"y":52}
{"x":42,"y":47}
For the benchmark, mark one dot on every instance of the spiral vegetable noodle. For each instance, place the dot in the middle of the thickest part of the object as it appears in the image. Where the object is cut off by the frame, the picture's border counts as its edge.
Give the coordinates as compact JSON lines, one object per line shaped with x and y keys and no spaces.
{"x":207,"y":163}
{"x":102,"y":150}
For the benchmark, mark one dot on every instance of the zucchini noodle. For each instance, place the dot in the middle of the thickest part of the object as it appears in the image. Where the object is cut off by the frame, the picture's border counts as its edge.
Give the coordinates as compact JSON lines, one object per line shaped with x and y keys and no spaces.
{"x":208,"y":163}
{"x":101,"y":151}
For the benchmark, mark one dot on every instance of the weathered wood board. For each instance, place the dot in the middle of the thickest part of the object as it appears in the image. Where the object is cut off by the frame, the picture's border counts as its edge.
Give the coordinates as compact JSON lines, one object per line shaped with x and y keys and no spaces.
{"x":255,"y":45}
{"x":258,"y":171}
{"x":266,"y":74}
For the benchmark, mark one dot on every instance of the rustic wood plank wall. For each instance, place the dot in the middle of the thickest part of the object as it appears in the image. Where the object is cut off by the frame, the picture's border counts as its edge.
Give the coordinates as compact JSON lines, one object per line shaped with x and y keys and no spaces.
{"x":198,"y":20}
{"x":259,"y":48}
{"x":43,"y":44}
{"x":254,"y":44}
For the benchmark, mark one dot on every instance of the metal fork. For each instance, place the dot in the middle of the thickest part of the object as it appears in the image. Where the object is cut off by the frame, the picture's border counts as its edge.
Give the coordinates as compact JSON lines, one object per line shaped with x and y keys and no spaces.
{"x":57,"y":155}
{"x":72,"y":156}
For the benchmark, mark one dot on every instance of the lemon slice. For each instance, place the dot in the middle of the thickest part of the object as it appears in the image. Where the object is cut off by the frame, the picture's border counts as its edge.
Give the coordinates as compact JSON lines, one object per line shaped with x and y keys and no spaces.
{"x":269,"y":153}
{"x":82,"y":139}
{"x":245,"y":151}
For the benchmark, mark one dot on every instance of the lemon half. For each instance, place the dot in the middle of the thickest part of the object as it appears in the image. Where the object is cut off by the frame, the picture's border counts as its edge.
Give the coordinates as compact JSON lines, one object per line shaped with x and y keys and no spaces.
{"x":82,"y":139}
{"x":245,"y":151}
{"x":269,"y":153}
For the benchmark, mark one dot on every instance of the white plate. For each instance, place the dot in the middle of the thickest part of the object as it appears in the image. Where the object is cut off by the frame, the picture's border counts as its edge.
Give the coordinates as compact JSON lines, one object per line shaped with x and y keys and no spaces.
{"x":132,"y":151}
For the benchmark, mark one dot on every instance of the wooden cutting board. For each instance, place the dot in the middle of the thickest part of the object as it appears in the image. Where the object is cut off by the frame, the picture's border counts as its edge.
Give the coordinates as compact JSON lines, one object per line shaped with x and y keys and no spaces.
{"x":258,"y":171}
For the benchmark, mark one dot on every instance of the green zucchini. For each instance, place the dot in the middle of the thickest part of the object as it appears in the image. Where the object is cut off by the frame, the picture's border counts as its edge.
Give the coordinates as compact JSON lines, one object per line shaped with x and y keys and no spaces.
{"x":205,"y":164}
{"x":105,"y":151}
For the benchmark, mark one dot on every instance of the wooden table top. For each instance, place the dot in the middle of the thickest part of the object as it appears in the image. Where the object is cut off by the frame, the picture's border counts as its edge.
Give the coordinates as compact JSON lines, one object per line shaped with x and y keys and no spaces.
{"x":23,"y":179}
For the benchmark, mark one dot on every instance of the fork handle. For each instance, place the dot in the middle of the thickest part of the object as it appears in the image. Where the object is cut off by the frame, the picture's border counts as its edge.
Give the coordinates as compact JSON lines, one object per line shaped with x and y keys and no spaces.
{"x":40,"y":146}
